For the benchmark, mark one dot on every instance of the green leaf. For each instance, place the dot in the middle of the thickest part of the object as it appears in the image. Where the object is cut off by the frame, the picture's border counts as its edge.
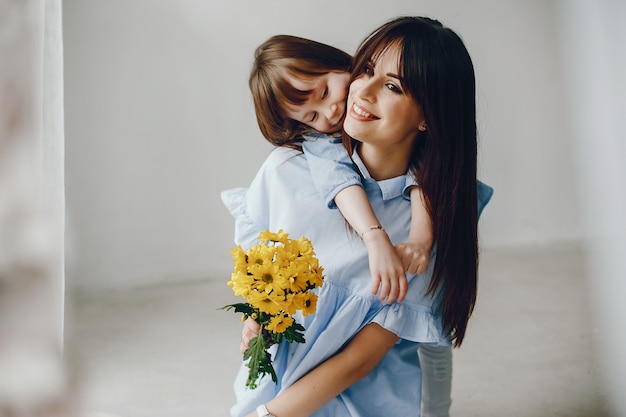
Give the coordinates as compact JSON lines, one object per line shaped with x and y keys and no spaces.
{"x":260,"y":361}
{"x":276,"y":337}
{"x":244,"y":308}
{"x":294,"y":333}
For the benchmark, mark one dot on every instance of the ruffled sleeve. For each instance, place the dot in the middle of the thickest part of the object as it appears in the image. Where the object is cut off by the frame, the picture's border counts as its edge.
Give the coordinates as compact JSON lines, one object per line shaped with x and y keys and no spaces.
{"x":246,"y":229}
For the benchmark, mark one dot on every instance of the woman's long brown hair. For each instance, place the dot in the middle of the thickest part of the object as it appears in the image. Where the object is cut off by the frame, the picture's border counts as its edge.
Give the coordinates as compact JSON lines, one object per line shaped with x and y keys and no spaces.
{"x":438,"y":72}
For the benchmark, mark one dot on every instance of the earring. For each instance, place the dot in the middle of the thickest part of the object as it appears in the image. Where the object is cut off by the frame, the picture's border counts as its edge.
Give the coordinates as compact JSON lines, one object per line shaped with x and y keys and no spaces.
{"x":422,"y":128}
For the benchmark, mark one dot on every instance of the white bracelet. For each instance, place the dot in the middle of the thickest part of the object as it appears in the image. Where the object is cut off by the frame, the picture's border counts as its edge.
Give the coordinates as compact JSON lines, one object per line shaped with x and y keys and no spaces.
{"x":373,"y":227}
{"x":261,"y":411}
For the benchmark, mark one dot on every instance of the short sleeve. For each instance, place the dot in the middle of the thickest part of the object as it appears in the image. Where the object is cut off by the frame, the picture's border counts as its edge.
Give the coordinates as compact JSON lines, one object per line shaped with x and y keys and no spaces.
{"x":485,"y":193}
{"x":409,"y":183}
{"x":331,"y":167}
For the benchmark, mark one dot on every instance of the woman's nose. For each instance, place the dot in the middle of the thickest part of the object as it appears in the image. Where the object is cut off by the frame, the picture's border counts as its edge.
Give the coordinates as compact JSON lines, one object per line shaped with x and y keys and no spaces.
{"x":365,"y":90}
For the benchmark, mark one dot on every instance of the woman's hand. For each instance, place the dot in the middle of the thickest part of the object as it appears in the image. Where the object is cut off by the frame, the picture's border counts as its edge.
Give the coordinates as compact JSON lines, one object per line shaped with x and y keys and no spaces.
{"x":386,"y":266}
{"x":415,"y":256}
{"x":250,"y":330}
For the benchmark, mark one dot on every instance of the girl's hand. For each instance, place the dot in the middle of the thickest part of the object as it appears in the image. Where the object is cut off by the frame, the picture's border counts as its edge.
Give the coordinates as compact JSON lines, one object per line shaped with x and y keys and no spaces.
{"x":250,"y":330}
{"x":415,"y":256}
{"x":386,"y":266}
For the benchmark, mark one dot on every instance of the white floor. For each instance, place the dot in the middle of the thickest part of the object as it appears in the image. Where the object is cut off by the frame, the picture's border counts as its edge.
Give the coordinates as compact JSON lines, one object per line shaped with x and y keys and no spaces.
{"x":169,"y":352}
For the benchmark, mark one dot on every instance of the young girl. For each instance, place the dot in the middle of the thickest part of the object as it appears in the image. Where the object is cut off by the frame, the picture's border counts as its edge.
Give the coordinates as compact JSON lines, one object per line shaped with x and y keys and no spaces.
{"x":299,"y":89}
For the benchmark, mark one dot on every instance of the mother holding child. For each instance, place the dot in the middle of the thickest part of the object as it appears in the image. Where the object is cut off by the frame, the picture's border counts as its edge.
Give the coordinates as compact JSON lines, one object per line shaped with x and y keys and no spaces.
{"x":405,"y":180}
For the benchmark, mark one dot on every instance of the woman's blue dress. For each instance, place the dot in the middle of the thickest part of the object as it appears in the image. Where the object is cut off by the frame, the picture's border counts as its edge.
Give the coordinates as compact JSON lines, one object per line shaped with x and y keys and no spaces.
{"x":283,"y":196}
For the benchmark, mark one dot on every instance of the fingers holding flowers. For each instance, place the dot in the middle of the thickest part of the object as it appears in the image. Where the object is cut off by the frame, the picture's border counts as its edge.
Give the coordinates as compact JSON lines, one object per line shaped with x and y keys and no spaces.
{"x":250,"y":330}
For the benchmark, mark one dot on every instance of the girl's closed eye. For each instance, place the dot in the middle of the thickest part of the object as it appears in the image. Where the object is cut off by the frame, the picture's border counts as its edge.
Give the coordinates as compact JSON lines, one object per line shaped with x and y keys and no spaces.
{"x":313,"y":117}
{"x":325,"y":93}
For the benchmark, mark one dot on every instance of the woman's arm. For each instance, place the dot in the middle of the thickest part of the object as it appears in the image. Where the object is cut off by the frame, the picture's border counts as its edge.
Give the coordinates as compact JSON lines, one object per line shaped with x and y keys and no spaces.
{"x":355,"y":361}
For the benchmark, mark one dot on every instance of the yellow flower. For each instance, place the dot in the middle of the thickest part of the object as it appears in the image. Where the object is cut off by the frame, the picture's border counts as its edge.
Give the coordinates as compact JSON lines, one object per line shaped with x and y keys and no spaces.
{"x":284,"y":256}
{"x":266,"y":303}
{"x":241,"y":283}
{"x":310,"y":303}
{"x":305,"y":247}
{"x":239,"y":259}
{"x":301,"y":265}
{"x":316,"y":277}
{"x":259,"y":254}
{"x":268,"y":278}
{"x":296,"y":282}
{"x":280,"y":323}
{"x":296,"y":302}
{"x":280,"y":236}
{"x":288,"y":305}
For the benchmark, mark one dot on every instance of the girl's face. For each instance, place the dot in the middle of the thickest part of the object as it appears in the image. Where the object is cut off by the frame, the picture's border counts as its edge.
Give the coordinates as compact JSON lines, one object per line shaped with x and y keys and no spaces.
{"x":326,"y":105}
{"x":379,"y":110}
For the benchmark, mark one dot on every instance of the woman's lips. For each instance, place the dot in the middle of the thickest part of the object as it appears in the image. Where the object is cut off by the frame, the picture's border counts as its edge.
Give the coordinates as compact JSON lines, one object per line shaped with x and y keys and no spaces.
{"x":360,"y":113}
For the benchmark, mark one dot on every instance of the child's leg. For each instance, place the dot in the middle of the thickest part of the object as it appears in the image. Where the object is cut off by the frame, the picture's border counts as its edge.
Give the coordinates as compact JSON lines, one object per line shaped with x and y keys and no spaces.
{"x":436,"y":363}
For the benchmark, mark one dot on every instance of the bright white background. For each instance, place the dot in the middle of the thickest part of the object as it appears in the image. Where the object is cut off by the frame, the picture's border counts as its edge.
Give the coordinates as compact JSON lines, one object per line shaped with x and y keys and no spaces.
{"x":159,"y":120}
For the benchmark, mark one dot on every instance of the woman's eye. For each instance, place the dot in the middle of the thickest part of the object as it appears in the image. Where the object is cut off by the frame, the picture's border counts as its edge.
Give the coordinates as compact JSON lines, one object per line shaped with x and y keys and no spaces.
{"x":325,"y":93}
{"x":368,"y":70}
{"x":313,"y":117}
{"x":394,"y":88}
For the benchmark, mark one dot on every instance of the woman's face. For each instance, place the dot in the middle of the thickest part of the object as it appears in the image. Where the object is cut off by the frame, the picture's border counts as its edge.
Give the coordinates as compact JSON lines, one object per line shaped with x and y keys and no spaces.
{"x":379,"y":111}
{"x":326,"y":105}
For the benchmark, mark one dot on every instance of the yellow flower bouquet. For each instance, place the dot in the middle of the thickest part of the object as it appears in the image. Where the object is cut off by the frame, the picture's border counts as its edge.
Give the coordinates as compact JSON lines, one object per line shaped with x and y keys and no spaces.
{"x":275,"y":277}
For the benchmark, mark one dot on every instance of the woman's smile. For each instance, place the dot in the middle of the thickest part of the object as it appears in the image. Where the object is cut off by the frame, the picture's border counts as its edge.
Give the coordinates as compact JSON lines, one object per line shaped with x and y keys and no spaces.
{"x":360,"y":113}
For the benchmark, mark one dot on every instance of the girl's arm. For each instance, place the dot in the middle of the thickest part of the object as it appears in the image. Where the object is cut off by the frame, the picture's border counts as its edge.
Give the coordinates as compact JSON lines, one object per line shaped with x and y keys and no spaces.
{"x":339,"y":184}
{"x":330,"y":378}
{"x":415,"y":252}
{"x":386,"y":265}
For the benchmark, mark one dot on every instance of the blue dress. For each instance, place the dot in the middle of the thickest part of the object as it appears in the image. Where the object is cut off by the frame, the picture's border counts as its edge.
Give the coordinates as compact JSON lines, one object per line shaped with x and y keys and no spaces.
{"x":283,"y":196}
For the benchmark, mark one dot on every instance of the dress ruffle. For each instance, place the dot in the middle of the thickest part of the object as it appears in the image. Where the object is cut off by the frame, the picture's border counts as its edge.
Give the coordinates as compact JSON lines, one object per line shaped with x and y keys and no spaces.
{"x":246,"y":229}
{"x":345,"y":312}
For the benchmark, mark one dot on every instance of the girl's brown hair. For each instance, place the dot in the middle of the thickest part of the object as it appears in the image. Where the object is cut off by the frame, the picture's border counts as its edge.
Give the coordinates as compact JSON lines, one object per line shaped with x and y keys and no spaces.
{"x":276,"y":59}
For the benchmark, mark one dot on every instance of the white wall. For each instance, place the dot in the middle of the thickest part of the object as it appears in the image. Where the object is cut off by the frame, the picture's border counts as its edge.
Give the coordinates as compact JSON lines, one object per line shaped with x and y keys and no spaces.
{"x":596,"y":94}
{"x":159,"y":119}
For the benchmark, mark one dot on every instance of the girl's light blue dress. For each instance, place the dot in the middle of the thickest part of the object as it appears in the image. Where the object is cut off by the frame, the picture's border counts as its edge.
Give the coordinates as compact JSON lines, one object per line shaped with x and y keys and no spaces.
{"x":283,"y":196}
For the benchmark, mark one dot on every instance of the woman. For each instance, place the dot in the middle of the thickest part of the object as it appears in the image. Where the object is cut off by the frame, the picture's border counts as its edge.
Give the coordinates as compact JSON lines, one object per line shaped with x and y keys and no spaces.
{"x":411,"y":109}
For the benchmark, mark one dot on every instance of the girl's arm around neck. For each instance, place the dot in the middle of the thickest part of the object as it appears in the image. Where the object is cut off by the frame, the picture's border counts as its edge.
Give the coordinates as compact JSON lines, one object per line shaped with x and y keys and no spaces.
{"x":385,"y":264}
{"x":415,"y":252}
